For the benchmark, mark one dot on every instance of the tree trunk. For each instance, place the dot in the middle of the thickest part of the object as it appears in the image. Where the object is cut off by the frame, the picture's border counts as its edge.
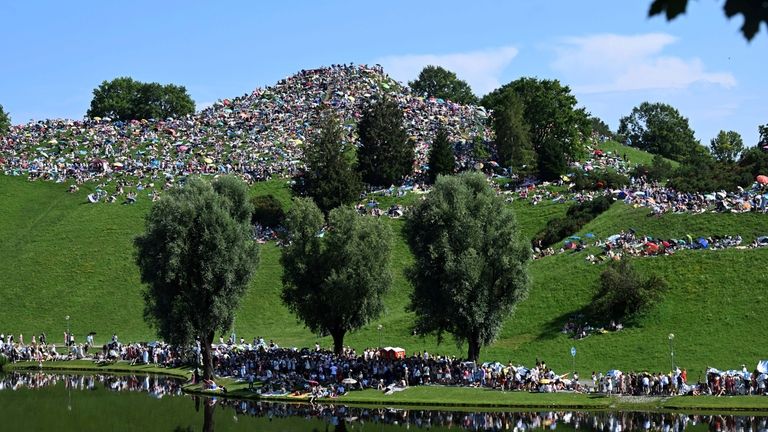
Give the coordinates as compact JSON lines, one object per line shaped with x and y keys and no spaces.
{"x":473,"y":353}
{"x":206,"y":342}
{"x":208,"y":417}
{"x":338,"y":341}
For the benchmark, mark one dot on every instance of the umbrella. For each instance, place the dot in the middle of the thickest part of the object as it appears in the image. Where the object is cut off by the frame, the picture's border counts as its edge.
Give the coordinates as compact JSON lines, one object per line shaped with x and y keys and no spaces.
{"x":117,"y":164}
{"x":349,"y":381}
{"x":208,"y":160}
{"x":762,"y":179}
{"x":589,"y":235}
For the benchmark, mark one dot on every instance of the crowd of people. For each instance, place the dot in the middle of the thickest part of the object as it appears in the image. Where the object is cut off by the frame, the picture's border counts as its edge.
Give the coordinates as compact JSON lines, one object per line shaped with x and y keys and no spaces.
{"x":257,"y":136}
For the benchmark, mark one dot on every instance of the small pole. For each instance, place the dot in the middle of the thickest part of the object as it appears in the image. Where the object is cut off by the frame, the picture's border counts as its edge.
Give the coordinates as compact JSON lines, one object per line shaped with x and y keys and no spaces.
{"x":671,"y":337}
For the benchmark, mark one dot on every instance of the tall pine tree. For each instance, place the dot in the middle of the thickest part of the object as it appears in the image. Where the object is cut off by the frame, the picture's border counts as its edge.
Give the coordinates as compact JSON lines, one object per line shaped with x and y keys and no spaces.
{"x":441,"y":158}
{"x":513,"y":142}
{"x":329,"y":176}
{"x":386,"y":153}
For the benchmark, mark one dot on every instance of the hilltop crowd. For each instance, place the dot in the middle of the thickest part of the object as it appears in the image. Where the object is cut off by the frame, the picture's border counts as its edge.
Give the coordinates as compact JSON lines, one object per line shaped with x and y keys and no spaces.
{"x":256,"y":136}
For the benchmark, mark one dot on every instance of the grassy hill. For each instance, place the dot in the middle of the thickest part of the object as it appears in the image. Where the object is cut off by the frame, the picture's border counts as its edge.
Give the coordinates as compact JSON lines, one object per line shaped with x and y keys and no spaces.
{"x":61,"y":256}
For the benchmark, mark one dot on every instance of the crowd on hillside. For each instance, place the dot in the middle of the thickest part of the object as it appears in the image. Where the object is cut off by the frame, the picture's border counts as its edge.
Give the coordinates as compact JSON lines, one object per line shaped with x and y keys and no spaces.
{"x":320,"y":373}
{"x":257,"y":136}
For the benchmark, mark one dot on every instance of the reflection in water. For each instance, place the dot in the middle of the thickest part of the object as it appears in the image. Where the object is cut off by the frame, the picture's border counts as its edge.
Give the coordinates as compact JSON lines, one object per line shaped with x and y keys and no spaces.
{"x":342,"y":418}
{"x":156,"y":386}
{"x":339,"y":415}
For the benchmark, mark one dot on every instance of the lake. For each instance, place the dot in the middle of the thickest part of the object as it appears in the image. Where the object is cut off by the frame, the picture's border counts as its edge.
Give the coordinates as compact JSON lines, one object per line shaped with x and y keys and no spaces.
{"x":83,"y":402}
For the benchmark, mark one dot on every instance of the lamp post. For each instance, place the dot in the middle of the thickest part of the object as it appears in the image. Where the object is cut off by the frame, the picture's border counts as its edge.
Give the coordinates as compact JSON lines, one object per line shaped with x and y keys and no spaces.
{"x":379,"y":329}
{"x":69,"y":336}
{"x":671,"y":338}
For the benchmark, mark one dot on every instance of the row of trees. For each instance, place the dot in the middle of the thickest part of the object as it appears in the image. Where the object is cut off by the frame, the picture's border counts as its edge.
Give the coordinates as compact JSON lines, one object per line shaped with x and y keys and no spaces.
{"x":197,"y":259}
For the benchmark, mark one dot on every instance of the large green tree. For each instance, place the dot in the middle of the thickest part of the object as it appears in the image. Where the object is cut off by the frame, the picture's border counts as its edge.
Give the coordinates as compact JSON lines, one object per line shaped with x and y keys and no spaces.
{"x":763,"y":131}
{"x":329,"y":176}
{"x":513,"y":143}
{"x":755,"y":12}
{"x":726,"y":146}
{"x":334,"y":279}
{"x":5,"y":121}
{"x":442,"y":160}
{"x":126,"y":99}
{"x":439,"y":82}
{"x":386,"y":153}
{"x":659,"y":128}
{"x":470,"y":265}
{"x":197,"y":257}
{"x":556,"y":126}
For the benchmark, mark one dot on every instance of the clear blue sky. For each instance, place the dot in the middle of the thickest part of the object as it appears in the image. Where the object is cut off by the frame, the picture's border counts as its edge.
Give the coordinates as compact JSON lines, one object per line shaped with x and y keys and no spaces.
{"x":608,"y":51}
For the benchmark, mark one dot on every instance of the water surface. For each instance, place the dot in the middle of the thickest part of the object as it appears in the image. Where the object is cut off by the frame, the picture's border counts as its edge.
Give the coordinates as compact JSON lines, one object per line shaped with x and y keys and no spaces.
{"x":44,"y":401}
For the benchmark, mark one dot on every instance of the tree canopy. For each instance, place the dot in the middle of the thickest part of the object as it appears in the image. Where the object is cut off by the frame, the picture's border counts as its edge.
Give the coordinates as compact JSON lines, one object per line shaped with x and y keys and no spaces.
{"x":660,"y":129}
{"x":470,"y":262}
{"x":726,"y":146}
{"x":126,"y":99}
{"x":5,"y":121}
{"x":438,"y":82}
{"x":329,"y":176}
{"x":556,"y":127}
{"x":335,"y":278}
{"x":763,"y":131}
{"x":755,"y":12}
{"x":196,"y":257}
{"x":442,"y":160}
{"x":386,"y":153}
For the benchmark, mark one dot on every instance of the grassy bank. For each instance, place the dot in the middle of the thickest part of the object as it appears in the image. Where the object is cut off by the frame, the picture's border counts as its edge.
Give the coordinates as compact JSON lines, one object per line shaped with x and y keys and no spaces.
{"x":61,"y":256}
{"x":81,"y":366}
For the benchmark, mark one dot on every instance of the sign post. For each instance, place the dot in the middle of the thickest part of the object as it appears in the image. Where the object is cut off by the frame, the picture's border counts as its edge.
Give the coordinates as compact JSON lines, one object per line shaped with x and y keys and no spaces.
{"x":573,"y":357}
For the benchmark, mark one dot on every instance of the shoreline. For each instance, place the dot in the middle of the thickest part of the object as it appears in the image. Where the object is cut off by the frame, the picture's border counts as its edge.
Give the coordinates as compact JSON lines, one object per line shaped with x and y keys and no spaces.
{"x":434,"y":396}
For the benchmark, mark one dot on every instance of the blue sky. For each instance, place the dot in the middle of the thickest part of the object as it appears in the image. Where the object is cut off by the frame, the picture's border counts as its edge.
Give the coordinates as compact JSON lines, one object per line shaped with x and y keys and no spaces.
{"x":609,"y":52}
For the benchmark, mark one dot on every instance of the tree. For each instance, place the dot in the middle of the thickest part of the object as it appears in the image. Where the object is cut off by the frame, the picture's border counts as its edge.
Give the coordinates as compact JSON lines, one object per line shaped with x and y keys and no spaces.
{"x":659,"y":128}
{"x":438,"y":82}
{"x":442,"y":161}
{"x":600,"y":127}
{"x":329,"y":176}
{"x":625,"y":294}
{"x":556,"y":127}
{"x":727,"y":146}
{"x":126,"y":99}
{"x":197,"y":257}
{"x":5,"y":121}
{"x":755,"y":12}
{"x":386,"y":153}
{"x":763,"y":131}
{"x":334,"y":280}
{"x":513,"y":143}
{"x":470,"y":262}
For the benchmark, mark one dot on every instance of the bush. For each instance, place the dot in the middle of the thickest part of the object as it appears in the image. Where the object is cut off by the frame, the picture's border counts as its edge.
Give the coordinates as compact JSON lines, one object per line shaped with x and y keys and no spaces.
{"x":267,"y":211}
{"x":596,"y":180}
{"x":575,"y":218}
{"x":624,"y":294}
{"x":659,"y":169}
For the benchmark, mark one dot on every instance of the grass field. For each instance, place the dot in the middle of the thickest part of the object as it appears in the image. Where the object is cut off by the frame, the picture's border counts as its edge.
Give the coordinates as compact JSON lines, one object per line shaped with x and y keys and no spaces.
{"x":634,"y":156}
{"x":60,"y":256}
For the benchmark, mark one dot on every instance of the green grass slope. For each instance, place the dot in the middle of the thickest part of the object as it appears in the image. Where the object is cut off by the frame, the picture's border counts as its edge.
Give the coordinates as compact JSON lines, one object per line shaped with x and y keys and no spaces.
{"x":60,"y":256}
{"x":634,"y":156}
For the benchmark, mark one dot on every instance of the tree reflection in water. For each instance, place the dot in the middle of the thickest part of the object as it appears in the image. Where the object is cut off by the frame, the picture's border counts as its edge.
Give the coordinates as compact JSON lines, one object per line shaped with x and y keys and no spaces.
{"x":339,"y":417}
